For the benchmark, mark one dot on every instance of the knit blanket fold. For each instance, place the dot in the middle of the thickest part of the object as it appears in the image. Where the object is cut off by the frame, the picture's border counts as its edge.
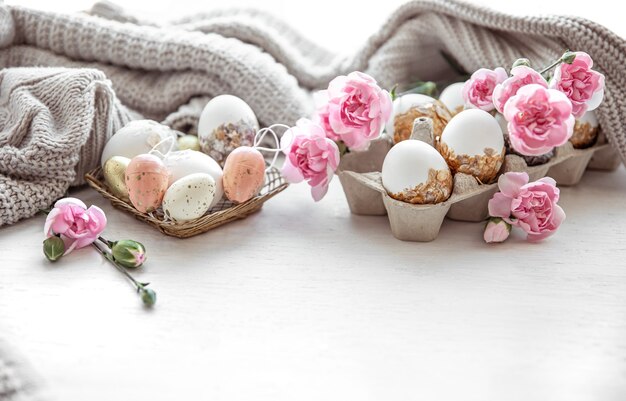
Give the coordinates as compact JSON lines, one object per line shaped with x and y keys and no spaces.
{"x":168,"y":72}
{"x":53,"y":123}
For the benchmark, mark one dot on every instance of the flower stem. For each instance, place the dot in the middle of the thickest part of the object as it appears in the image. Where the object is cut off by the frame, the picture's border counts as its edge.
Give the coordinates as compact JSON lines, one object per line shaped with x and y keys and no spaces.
{"x":121,"y":269}
{"x":551,"y":66}
{"x":106,"y":241}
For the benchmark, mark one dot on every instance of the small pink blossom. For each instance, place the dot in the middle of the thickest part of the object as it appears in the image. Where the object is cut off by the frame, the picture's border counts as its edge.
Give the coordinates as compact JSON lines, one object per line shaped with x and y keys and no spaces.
{"x":530,"y":206}
{"x":310,"y":155}
{"x":478,"y":90}
{"x":77,"y":225}
{"x":583,"y":86}
{"x":354,"y":110}
{"x":538,"y":120}
{"x":520,"y":76}
{"x":496,"y":230}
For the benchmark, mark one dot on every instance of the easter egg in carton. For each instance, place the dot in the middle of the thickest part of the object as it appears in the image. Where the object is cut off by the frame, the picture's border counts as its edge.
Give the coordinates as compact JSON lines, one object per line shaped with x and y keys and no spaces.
{"x":407,"y":108}
{"x":452,"y":97}
{"x":467,"y":199}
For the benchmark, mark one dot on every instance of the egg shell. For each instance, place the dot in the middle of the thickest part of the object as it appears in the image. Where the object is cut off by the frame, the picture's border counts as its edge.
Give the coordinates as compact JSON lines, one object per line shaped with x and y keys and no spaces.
{"x":146,"y":180}
{"x":472,"y":131}
{"x":189,"y":197}
{"x":188,"y":142}
{"x":184,"y":162}
{"x":586,"y":130}
{"x":407,"y":108}
{"x":473,"y":143}
{"x":244,"y":174}
{"x":138,"y":137}
{"x":226,"y":123}
{"x":410,"y":165}
{"x":114,"y":172}
{"x":452,"y":97}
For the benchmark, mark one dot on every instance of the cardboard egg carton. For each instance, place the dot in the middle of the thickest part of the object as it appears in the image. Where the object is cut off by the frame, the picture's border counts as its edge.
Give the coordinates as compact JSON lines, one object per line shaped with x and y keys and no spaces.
{"x":359,"y":173}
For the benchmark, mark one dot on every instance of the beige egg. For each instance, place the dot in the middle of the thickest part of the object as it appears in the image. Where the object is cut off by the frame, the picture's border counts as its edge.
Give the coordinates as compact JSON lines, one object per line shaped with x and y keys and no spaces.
{"x":184,"y":162}
{"x":189,"y":197}
{"x":146,"y":180}
{"x":244,"y":174}
{"x":188,"y":142}
{"x":114,"y":172}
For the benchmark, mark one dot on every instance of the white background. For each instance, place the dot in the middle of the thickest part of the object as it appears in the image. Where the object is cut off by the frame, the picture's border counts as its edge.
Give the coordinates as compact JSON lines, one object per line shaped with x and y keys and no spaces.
{"x":306,"y":302}
{"x":340,"y":25}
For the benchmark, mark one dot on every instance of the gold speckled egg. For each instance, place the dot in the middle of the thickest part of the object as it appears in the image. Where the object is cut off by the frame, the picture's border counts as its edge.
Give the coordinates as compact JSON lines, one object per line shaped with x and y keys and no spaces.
{"x":244,"y":174}
{"x":146,"y":180}
{"x":114,"y":172}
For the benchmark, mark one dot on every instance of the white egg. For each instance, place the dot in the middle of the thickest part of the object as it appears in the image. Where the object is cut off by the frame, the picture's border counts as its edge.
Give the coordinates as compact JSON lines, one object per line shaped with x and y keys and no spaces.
{"x":185,"y":162}
{"x":189,"y":197}
{"x":452,"y":97}
{"x":473,"y":143}
{"x":589,"y":118}
{"x":415,"y":172}
{"x":409,"y":107}
{"x":226,"y":123}
{"x":586,"y":130}
{"x":139,"y":137}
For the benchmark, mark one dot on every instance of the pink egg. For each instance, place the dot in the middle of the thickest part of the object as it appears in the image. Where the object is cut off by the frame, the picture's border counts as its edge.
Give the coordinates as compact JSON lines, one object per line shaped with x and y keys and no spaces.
{"x":146,"y":180}
{"x":244,"y":174}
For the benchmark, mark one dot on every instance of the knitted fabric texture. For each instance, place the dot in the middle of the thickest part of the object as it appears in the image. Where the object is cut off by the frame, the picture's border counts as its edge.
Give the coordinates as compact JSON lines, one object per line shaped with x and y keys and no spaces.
{"x":169,"y":72}
{"x":53,"y":123}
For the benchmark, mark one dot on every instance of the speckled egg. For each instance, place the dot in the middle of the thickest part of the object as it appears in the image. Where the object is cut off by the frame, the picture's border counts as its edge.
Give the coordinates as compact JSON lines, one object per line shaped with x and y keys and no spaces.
{"x":114,"y":172}
{"x":415,"y":172}
{"x":226,"y":123}
{"x":244,"y":174}
{"x":452,"y":97}
{"x":185,"y":162}
{"x":409,"y":107}
{"x":138,"y":137}
{"x":146,"y":180}
{"x":473,"y":143}
{"x":586,"y":131}
{"x":189,"y":197}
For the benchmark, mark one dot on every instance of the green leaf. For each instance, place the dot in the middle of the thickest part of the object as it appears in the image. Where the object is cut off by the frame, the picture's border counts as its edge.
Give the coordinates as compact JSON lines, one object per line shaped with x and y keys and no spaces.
{"x":53,"y":248}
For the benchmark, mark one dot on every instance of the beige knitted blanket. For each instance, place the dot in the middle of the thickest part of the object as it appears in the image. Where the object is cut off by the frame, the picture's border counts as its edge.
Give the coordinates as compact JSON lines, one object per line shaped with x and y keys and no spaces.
{"x":168,"y":73}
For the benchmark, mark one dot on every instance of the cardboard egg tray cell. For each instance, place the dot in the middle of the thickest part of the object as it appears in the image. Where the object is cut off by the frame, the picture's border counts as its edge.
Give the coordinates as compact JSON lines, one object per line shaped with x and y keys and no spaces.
{"x":359,"y":173}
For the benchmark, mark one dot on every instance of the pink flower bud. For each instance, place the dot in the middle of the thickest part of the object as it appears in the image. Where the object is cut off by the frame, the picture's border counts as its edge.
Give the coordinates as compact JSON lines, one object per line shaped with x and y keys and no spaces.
{"x":496,"y":230}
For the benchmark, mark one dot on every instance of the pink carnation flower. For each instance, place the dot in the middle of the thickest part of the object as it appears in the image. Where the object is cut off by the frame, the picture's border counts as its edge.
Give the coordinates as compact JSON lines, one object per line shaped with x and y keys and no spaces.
{"x":354,"y":110}
{"x":77,"y":225}
{"x":520,"y":76}
{"x":538,"y":119}
{"x":478,"y":90}
{"x":583,"y":86}
{"x":530,"y":206}
{"x":310,"y":156}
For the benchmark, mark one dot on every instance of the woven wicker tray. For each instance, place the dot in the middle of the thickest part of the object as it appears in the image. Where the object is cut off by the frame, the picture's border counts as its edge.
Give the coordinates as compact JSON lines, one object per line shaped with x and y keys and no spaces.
{"x":222,"y":213}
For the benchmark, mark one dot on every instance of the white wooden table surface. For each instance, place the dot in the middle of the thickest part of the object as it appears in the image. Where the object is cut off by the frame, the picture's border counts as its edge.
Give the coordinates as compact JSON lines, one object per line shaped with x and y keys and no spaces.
{"x":304,"y":301}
